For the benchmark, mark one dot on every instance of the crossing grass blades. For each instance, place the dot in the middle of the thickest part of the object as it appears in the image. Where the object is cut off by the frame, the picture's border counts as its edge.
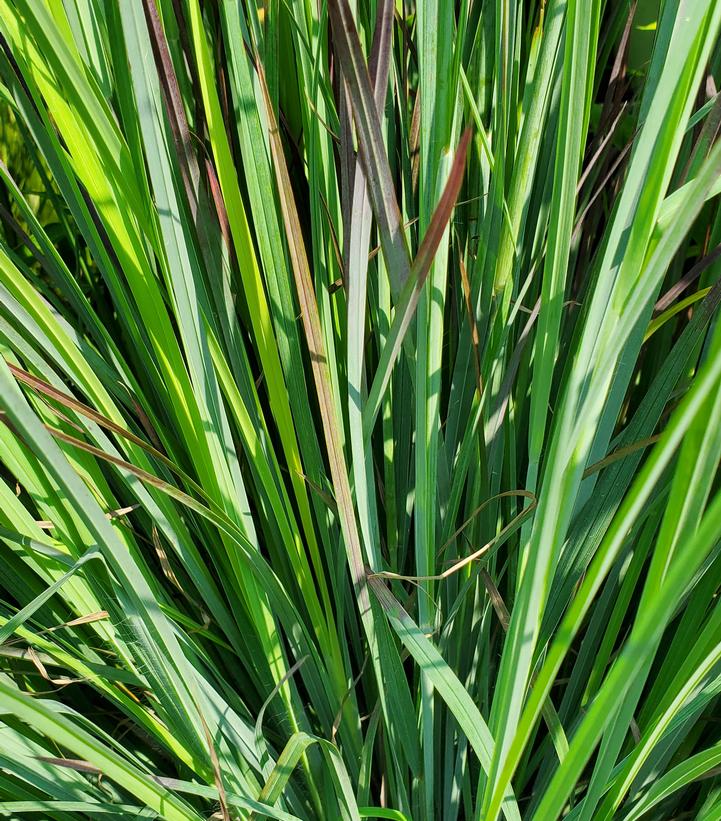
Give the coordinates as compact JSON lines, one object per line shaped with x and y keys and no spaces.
{"x":360,"y":380}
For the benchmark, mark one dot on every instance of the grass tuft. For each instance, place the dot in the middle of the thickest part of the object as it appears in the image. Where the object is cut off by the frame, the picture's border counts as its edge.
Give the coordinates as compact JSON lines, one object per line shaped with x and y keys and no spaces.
{"x":360,"y":390}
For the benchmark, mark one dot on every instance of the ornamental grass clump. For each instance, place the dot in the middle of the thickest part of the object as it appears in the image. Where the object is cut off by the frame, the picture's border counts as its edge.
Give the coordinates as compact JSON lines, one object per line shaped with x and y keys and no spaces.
{"x":360,"y":389}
